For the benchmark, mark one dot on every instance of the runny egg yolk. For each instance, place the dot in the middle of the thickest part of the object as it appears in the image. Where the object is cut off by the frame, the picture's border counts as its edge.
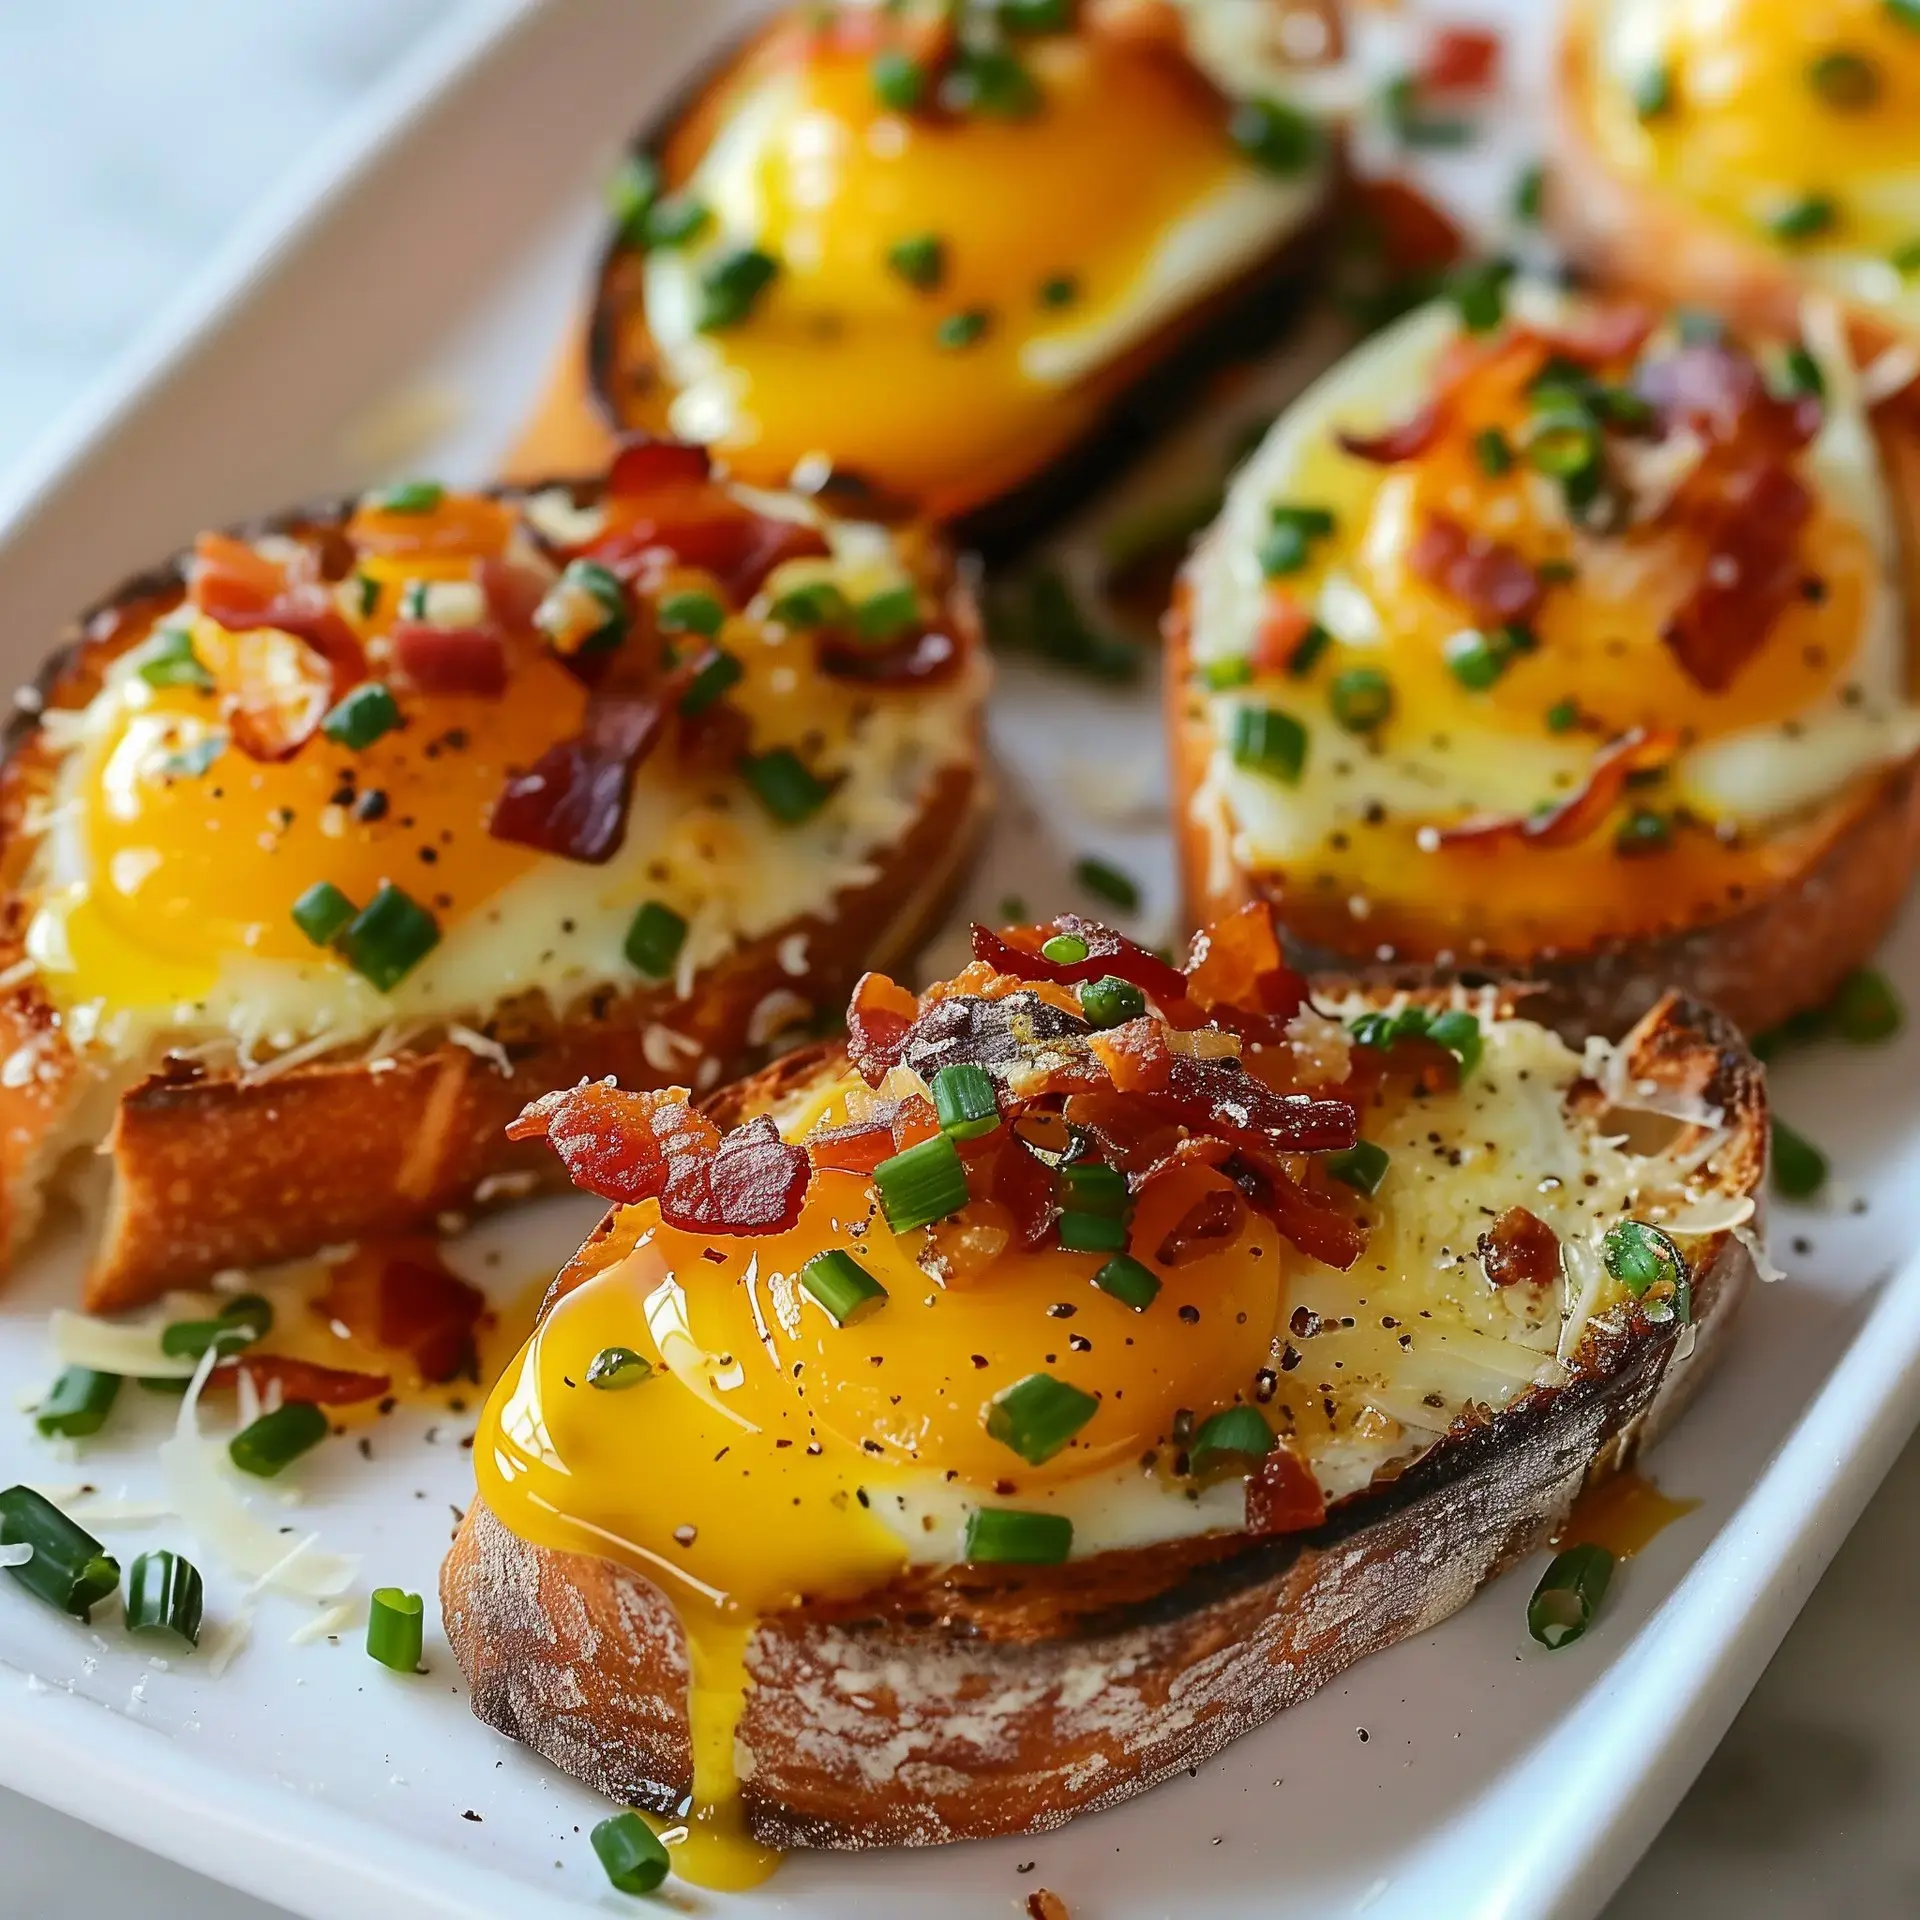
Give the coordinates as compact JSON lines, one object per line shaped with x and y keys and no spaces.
{"x":746,"y":1471}
{"x":1750,"y":107}
{"x":1046,"y":227}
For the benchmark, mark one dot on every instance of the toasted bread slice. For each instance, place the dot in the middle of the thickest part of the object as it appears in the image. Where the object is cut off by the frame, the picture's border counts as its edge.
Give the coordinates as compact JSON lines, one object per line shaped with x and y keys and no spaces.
{"x":229,"y":1147}
{"x":904,"y":418}
{"x":1639,"y":236}
{"x":965,"y":1701}
{"x":1757,"y":906}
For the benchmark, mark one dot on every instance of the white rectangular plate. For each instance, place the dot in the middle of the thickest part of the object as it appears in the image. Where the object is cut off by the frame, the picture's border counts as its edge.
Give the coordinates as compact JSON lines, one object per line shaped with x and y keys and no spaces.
{"x":429,"y":262}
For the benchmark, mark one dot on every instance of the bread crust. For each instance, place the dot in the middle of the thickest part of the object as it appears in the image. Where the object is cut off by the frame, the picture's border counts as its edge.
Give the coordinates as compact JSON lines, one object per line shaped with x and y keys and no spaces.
{"x":961,"y":1703}
{"x":1641,"y":240}
{"x":211,"y":1169}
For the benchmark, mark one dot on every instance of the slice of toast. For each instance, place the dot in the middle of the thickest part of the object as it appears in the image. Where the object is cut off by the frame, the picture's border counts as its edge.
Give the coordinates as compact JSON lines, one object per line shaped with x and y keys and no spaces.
{"x":966,"y":1701}
{"x":221,"y":1155}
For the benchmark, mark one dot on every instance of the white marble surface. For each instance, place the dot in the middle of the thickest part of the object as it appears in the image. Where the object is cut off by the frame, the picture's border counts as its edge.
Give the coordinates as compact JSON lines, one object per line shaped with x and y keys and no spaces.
{"x":133,"y":134}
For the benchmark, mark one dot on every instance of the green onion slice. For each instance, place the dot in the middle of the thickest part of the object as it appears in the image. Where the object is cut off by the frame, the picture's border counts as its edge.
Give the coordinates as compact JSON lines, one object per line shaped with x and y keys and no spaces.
{"x":922,"y":1185}
{"x":1037,"y":1416}
{"x":389,"y":937}
{"x":842,"y":1286}
{"x":717,"y":673}
{"x":1006,"y":1536}
{"x":730,"y":287}
{"x":1569,"y":1595}
{"x":1361,"y":698}
{"x":1361,"y":1166}
{"x":396,"y":1628}
{"x":1091,"y":1232}
{"x":70,"y":1569}
{"x":965,"y":1101}
{"x":1091,"y":1186}
{"x":1459,"y":1032}
{"x":1865,"y":1009}
{"x":634,"y":1856}
{"x":785,"y":785}
{"x":920,"y":260}
{"x":1266,"y":740}
{"x":1106,"y":882}
{"x":614,"y":1369}
{"x":1111,"y":1001}
{"x":278,"y":1438}
{"x":1275,"y":135}
{"x":1233,"y":1438}
{"x":1647,"y":1263}
{"x":165,"y":1595}
{"x":1799,"y":1167}
{"x":1129,"y":1282}
{"x":690,"y":611}
{"x":323,"y":912}
{"x":362,"y":716}
{"x":77,"y":1404}
{"x":654,"y":940}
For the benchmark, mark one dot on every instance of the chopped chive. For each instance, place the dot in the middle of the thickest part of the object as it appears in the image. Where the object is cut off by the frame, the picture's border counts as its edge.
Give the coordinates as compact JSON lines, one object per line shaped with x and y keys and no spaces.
{"x":817,"y":603}
{"x":1640,"y":1256}
{"x":409,"y":496}
{"x":1091,"y":1186}
{"x":730,"y":286}
{"x":1037,"y":1416}
{"x":1064,"y":949}
{"x":1234,"y":671}
{"x":1474,"y":659}
{"x":1307,"y":651}
{"x":784,"y":784}
{"x":169,"y":661}
{"x":887,"y":615}
{"x":1492,"y":450}
{"x":961,"y":329}
{"x":899,"y":80}
{"x":1361,"y":698}
{"x":1563,"y":439}
{"x":1036,"y":16}
{"x":1569,"y":1595}
{"x":1563,"y":716}
{"x":322,"y":911}
{"x":251,"y":1312}
{"x":1415,"y":124}
{"x":1361,"y":1166}
{"x":1110,"y":1001}
{"x":165,"y":1595}
{"x":77,"y":1403}
{"x":1478,"y":291}
{"x":366,"y":594}
{"x":1128,"y":1281}
{"x":965,"y":1101}
{"x":633,"y":1855}
{"x":1265,"y":740}
{"x":1108,"y":883}
{"x":690,"y":611}
{"x":1274,"y":135}
{"x":1287,"y":546}
{"x":1528,"y":191}
{"x":70,"y":1569}
{"x":631,"y":194}
{"x":847,"y":1291}
{"x":360,"y":717}
{"x":614,"y":1369}
{"x":718,"y":671}
{"x":920,"y":260}
{"x":1864,"y":1008}
{"x":1905,"y":13}
{"x":584,"y":585}
{"x":1803,"y":218}
{"x":1058,"y":290}
{"x":1234,"y":1437}
{"x":396,"y":1628}
{"x":189,"y":1339}
{"x":1844,"y":79}
{"x":1799,"y":1167}
{"x":277,"y":1439}
{"x":989,"y":79}
{"x":654,"y":939}
{"x":1091,"y":1232}
{"x":1007,"y":1537}
{"x":1653,"y":92}
{"x":674,"y":220}
{"x":924,"y":1184}
{"x":1643,"y":831}
{"x":1459,"y":1032}
{"x":389,"y":937}
{"x":1905,"y":258}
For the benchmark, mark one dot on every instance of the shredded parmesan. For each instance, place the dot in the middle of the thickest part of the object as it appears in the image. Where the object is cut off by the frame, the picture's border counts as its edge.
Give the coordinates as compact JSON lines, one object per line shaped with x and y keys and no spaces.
{"x":107,"y":1346}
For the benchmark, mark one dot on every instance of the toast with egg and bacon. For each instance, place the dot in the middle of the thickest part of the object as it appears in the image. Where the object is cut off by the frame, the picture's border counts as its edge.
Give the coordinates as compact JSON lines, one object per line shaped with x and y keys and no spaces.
{"x":330,"y":842}
{"x":1551,"y":638}
{"x":1267,"y":1319}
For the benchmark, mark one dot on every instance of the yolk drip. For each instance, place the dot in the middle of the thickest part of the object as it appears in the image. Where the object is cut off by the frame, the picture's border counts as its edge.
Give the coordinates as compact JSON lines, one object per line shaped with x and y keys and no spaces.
{"x":1772,"y":101}
{"x":842,"y":355}
{"x":737,"y":1478}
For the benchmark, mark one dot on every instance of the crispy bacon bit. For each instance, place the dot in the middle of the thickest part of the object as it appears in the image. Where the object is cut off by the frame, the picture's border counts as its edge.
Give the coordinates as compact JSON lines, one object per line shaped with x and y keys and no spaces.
{"x":451,"y":659}
{"x":301,"y":1379}
{"x":403,"y":1298}
{"x":1135,"y":1055}
{"x":1017,"y":952}
{"x":878,"y":1019}
{"x":275,"y":691}
{"x":857,"y":1148}
{"x":1491,"y":578}
{"x":1406,"y":440}
{"x":706,"y":527}
{"x":645,"y":464}
{"x":1318,"y":1230}
{"x":1415,"y":235}
{"x":930,"y":655}
{"x":1750,"y":578}
{"x":573,"y":800}
{"x":1459,"y":60}
{"x":1520,"y":1249}
{"x":629,"y":1147}
{"x":1283,"y":1496}
{"x":1599,"y":333}
{"x":1019,"y":1180}
{"x":513,"y":589}
{"x":1582,"y":813}
{"x":1237,"y":964}
{"x":1284,"y":623}
{"x":231,"y":581}
{"x":1215,"y":1220}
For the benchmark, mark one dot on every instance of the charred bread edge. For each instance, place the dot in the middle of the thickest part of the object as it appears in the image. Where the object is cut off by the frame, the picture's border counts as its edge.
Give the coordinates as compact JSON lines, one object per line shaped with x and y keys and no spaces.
{"x":1638,"y":236}
{"x":1782,"y":953}
{"x":1250,"y":314}
{"x":308,"y":1157}
{"x":890,"y":1726}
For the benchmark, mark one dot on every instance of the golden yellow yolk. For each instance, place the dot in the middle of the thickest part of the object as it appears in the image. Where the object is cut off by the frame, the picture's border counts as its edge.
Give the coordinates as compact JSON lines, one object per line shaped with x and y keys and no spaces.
{"x":1768,"y":105}
{"x":841,"y":355}
{"x":733,"y":1477}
